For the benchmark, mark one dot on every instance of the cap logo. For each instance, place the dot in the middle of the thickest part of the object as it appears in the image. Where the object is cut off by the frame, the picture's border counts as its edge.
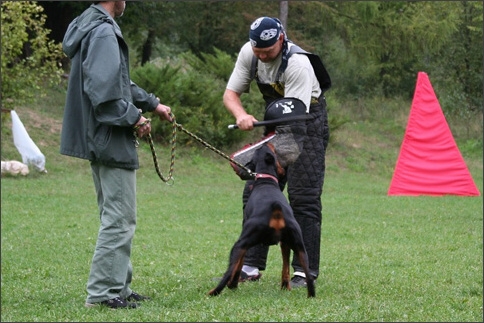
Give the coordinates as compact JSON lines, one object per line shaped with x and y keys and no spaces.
{"x":256,"y":23}
{"x":268,"y":34}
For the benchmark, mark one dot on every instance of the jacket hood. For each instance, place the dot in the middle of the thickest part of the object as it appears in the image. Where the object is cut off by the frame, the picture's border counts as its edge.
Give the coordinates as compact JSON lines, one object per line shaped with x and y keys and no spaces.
{"x":91,"y":18}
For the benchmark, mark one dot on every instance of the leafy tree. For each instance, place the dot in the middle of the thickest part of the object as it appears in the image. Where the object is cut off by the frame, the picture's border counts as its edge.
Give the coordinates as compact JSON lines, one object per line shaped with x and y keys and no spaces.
{"x":168,"y":28}
{"x":391,"y":37}
{"x":148,"y":23}
{"x":458,"y":76}
{"x":458,"y":66}
{"x":29,"y":58}
{"x":59,"y":15}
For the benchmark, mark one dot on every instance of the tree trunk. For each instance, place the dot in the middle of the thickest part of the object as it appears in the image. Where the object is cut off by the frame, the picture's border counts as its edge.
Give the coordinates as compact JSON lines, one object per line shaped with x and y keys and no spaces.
{"x":283,"y":9}
{"x":147,"y":47}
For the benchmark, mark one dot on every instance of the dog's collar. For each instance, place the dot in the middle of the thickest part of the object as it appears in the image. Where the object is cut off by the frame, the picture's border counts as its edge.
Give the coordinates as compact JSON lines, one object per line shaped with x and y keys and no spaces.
{"x":258,"y":175}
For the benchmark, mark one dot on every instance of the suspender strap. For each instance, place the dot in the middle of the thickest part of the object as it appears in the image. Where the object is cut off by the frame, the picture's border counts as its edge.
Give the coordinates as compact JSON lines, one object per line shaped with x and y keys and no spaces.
{"x":253,"y":68}
{"x":318,"y":67}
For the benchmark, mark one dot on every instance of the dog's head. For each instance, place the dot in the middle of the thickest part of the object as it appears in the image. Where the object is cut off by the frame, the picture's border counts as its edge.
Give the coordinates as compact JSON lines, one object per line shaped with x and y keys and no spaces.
{"x":265,"y":161}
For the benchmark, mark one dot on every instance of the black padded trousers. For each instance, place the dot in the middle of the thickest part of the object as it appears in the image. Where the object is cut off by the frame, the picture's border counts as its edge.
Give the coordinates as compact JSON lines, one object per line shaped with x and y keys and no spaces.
{"x":305,"y":179}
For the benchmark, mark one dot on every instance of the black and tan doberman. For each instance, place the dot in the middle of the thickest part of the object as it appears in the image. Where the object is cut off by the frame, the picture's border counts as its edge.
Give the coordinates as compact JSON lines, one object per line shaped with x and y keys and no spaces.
{"x":269,"y":220}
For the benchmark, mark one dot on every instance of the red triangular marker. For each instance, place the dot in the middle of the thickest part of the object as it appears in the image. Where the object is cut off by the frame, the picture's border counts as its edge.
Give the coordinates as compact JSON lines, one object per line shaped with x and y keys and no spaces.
{"x":429,"y":162}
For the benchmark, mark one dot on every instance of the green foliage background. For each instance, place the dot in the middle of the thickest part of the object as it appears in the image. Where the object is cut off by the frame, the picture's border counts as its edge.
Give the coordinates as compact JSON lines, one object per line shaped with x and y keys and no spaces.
{"x":183,"y":51}
{"x":193,"y":87}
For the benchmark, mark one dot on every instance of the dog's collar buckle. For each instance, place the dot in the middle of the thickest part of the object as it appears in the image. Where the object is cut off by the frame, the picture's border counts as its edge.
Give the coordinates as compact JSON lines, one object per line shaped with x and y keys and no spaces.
{"x":266,"y":176}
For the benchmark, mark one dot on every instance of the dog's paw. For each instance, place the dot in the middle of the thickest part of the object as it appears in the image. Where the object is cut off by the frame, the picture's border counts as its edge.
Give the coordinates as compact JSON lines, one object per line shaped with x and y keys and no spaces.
{"x":214,"y":292}
{"x":311,"y":289}
{"x":286,"y":285}
{"x":233,"y":284}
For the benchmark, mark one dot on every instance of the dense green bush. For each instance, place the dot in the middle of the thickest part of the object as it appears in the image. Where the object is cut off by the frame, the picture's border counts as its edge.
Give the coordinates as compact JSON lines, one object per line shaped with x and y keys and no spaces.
{"x":193,"y":87}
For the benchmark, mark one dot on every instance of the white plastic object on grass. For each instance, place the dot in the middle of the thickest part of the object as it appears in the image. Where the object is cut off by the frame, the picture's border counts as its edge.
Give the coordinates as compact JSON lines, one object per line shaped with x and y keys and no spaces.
{"x":31,"y":154}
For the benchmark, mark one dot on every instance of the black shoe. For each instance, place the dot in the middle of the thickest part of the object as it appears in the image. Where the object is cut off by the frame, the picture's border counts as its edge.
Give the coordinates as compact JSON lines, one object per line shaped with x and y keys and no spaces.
{"x":245,"y":277}
{"x":114,"y":303}
{"x":298,"y":281}
{"x":137,"y":297}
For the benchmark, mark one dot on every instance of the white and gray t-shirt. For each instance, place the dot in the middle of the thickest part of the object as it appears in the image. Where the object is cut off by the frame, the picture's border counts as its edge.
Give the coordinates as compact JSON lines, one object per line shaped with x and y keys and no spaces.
{"x":299,"y":79}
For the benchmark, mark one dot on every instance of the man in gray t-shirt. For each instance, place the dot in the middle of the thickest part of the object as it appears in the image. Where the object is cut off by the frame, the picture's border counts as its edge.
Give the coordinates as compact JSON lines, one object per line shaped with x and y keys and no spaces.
{"x":283,"y":70}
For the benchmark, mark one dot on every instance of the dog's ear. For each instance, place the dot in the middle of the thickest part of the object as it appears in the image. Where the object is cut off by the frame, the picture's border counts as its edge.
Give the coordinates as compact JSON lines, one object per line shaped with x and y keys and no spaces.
{"x":270,"y":159}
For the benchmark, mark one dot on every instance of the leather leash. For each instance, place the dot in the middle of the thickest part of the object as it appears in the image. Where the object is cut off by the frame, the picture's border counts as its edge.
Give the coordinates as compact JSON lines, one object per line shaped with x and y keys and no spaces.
{"x":173,"y":148}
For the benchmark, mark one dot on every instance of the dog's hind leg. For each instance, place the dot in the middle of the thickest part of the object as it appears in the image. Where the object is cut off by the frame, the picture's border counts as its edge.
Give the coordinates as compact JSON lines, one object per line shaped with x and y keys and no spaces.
{"x":303,"y":260}
{"x":217,"y":290}
{"x":295,"y":241}
{"x":236,"y":259}
{"x":236,"y":268}
{"x":285,"y":250}
{"x":231,"y":276}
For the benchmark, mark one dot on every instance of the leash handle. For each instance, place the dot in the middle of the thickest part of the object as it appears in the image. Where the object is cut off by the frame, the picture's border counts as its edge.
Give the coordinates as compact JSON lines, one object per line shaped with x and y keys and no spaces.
{"x":275,"y":121}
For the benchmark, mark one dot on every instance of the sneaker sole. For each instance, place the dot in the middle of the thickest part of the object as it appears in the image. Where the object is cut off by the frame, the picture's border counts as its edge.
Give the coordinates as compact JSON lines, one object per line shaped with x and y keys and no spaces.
{"x":90,"y":305}
{"x":251,"y":278}
{"x":304,"y":285}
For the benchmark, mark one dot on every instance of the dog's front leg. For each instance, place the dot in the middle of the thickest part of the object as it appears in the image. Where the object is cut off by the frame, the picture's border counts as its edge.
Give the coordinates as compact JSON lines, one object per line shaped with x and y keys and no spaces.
{"x":285,"y":250}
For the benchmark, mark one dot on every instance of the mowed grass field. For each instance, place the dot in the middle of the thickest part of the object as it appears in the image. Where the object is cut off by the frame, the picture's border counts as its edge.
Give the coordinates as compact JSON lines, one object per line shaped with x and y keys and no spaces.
{"x":383,"y":258}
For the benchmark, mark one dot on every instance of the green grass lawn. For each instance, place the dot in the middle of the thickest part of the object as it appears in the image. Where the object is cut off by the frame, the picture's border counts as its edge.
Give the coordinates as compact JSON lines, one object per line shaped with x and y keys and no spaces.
{"x":383,"y":258}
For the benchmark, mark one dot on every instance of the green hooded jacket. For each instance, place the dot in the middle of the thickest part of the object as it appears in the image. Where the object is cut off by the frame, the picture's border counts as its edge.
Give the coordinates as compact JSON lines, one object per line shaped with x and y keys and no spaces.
{"x":102,"y":103}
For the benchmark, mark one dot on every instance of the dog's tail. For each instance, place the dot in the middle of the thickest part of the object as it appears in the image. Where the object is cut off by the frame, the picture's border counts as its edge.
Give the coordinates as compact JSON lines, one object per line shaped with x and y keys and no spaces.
{"x":277,"y":217}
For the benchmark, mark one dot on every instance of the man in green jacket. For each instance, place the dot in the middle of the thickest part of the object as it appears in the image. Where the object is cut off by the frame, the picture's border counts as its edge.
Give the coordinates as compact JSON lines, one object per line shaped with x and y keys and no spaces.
{"x":103,"y":109}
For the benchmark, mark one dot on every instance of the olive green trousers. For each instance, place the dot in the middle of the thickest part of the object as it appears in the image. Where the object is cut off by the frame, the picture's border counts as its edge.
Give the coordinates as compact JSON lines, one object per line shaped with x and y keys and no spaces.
{"x":111,"y":269}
